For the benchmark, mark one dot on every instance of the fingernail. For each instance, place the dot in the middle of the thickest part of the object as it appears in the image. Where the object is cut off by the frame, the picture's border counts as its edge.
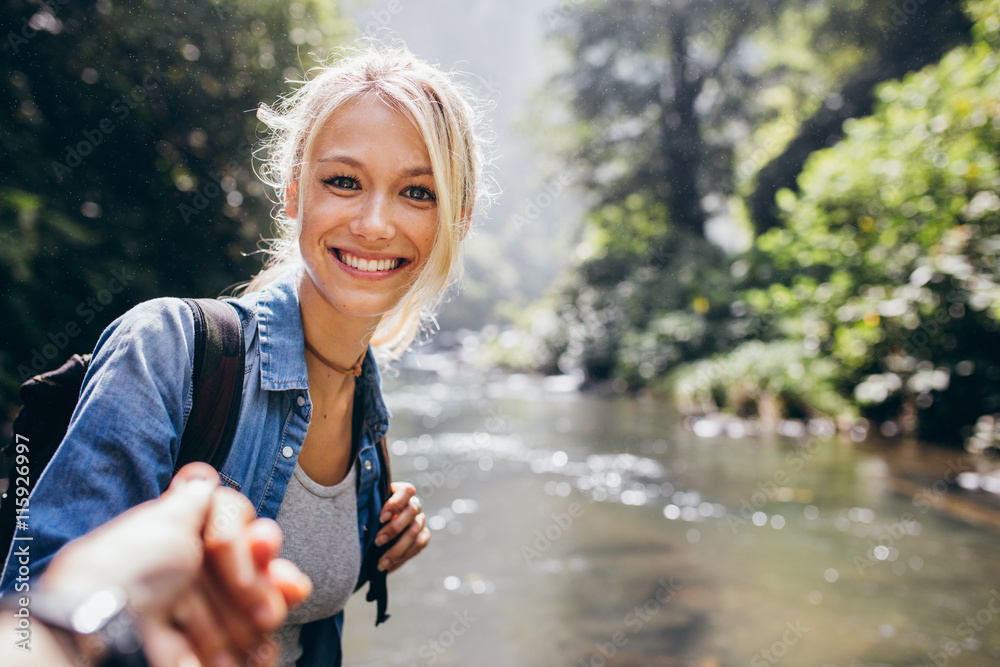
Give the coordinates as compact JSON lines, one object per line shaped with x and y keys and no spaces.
{"x":383,"y":564}
{"x":380,"y":540}
{"x":385,"y":517}
{"x":201,"y":488}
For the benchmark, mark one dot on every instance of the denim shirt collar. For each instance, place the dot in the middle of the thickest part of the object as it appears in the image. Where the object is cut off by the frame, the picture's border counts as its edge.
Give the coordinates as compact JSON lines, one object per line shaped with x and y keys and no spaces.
{"x":282,"y":350}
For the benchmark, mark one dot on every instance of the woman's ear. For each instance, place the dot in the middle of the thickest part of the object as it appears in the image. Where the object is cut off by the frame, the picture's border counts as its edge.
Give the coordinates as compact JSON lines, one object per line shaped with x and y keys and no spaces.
{"x":292,"y":201}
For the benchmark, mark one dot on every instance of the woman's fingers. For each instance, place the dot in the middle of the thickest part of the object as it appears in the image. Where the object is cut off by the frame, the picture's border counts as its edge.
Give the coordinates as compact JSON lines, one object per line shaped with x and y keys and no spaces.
{"x":226,"y":546}
{"x":166,"y":646}
{"x":242,"y":630}
{"x":403,"y":519}
{"x":235,"y":553}
{"x":399,"y":523}
{"x":194,"y":616}
{"x":401,"y":495}
{"x":290,"y":581}
{"x":265,"y":541}
{"x":411,"y":542}
{"x":238,"y":586}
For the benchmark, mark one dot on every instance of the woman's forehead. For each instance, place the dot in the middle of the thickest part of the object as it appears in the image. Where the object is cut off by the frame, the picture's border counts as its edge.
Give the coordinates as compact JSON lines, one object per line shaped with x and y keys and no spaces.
{"x":367,"y":125}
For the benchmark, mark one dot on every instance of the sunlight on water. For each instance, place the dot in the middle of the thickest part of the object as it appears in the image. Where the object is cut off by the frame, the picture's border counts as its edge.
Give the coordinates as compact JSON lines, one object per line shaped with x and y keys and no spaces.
{"x":570,"y":529}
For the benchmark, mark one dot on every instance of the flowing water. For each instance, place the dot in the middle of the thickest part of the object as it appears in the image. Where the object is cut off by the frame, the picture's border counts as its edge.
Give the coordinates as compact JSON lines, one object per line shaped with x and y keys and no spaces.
{"x":573,"y":529}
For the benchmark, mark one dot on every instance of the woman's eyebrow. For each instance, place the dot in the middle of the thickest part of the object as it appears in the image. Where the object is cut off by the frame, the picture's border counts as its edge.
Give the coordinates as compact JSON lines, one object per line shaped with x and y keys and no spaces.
{"x":346,"y":159}
{"x":418,"y":171}
{"x":422,"y":170}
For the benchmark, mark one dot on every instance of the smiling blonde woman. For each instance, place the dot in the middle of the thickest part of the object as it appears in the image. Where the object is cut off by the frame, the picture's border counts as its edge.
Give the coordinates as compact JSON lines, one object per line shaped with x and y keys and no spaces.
{"x":376,"y":163}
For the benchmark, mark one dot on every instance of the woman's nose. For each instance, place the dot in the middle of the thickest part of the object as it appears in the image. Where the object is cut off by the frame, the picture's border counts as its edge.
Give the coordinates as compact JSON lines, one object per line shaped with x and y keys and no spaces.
{"x":374,"y":220}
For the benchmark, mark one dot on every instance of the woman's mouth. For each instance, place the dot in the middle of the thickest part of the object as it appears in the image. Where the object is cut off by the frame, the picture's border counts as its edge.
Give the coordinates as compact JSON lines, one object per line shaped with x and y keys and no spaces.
{"x":368,"y":265}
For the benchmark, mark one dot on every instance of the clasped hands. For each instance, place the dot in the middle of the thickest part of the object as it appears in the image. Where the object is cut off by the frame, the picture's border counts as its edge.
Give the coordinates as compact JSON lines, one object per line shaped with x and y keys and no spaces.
{"x":202,"y":573}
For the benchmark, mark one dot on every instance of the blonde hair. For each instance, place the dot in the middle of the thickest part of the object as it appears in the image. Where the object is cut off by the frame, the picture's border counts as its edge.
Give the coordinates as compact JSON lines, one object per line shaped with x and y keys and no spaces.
{"x":448,"y":121}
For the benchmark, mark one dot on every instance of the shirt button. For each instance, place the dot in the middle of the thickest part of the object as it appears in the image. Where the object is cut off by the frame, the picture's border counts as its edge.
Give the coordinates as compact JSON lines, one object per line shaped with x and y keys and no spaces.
{"x":364,"y":528}
{"x":301,"y":400}
{"x":368,"y":465}
{"x":287,"y":452}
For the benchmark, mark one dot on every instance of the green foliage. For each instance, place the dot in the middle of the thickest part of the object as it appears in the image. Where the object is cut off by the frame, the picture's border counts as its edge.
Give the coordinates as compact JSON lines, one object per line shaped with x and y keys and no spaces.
{"x":767,"y":380}
{"x":888,"y":259}
{"x":129,"y":129}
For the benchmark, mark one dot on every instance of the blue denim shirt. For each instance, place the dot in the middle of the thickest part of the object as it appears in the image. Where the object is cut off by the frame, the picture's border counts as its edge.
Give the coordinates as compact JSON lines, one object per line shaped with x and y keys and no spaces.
{"x":124,"y":436}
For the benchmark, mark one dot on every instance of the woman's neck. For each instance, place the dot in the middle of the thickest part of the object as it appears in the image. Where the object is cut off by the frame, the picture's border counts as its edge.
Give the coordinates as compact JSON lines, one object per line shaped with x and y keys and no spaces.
{"x":338,"y":340}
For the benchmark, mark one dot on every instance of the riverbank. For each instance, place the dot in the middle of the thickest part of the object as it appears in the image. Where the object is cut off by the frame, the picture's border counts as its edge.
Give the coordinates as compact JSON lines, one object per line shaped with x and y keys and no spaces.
{"x":945,"y":479}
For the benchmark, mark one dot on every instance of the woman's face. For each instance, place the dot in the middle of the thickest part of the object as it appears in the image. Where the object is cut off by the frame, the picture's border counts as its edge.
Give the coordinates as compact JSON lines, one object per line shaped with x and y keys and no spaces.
{"x":370,"y":210}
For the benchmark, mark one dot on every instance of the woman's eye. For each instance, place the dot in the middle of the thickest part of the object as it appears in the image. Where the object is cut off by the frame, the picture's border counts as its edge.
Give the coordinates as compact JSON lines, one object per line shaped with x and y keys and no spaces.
{"x":343,"y":182}
{"x":419,"y":194}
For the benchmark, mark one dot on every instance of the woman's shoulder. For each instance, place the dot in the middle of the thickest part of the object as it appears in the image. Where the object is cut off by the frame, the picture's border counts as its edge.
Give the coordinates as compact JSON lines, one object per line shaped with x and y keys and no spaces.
{"x":163,"y":317}
{"x":158,"y":332}
{"x":156,"y":309}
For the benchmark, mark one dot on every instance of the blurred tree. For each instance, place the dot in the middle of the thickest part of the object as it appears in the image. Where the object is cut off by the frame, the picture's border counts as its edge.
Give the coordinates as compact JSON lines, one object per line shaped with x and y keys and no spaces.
{"x":129,"y":129}
{"x":678,"y":107}
{"x":665,"y":91}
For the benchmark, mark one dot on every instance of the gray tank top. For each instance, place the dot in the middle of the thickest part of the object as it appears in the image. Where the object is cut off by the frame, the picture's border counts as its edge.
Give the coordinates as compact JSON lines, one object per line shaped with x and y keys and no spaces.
{"x":320,"y":525}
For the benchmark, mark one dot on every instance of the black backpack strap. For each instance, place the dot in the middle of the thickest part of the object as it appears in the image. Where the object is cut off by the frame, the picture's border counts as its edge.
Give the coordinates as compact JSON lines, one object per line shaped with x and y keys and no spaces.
{"x":218,"y":383}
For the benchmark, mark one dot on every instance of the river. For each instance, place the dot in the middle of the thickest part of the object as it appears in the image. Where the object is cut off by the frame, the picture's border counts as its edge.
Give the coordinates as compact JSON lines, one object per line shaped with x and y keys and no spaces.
{"x":575,"y":529}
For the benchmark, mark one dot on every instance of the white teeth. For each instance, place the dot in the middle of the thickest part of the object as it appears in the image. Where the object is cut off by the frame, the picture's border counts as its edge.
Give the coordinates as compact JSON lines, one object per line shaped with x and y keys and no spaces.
{"x":368,"y":265}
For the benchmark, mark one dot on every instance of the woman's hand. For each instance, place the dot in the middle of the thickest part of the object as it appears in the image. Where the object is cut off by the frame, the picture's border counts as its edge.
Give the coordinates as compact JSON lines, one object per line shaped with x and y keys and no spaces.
{"x":401,"y":516}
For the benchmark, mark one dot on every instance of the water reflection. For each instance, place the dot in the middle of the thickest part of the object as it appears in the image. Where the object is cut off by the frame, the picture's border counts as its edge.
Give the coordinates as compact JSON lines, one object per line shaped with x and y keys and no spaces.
{"x":577,"y":530}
